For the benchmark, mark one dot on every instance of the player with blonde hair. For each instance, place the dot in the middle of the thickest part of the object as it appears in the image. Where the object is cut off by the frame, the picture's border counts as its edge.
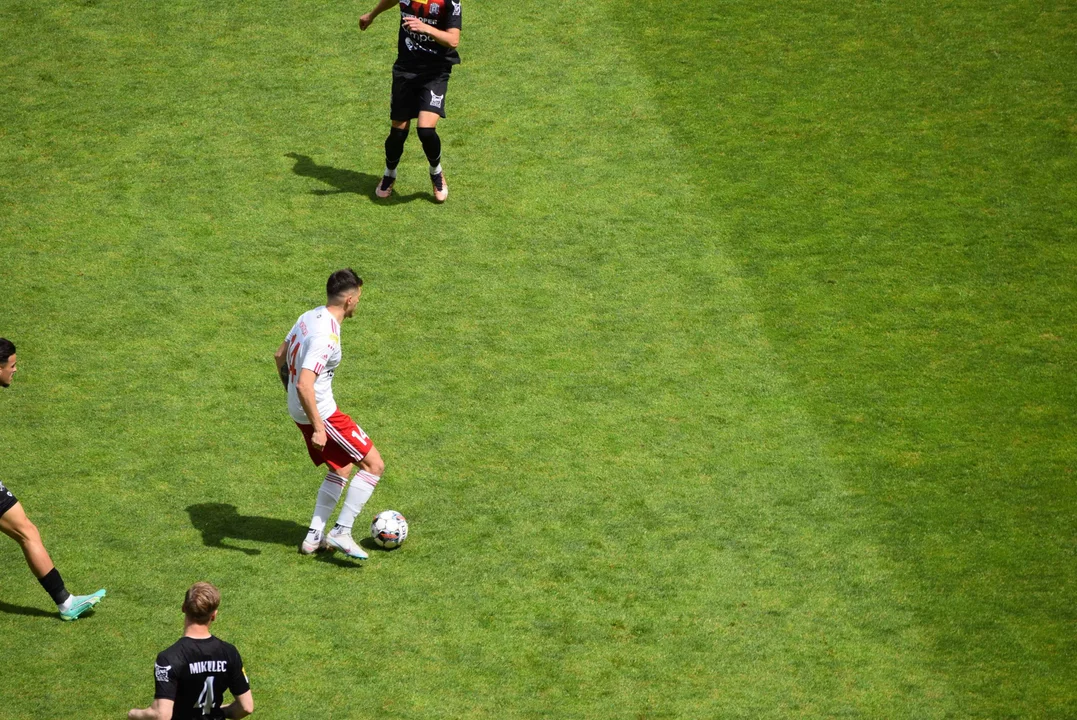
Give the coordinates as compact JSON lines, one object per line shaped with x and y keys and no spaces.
{"x":190,"y":677}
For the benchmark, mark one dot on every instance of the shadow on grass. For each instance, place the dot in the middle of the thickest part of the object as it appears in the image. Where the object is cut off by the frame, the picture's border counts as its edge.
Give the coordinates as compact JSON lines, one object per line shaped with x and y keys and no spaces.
{"x":347,"y":181}
{"x":29,"y":611}
{"x":218,"y":521}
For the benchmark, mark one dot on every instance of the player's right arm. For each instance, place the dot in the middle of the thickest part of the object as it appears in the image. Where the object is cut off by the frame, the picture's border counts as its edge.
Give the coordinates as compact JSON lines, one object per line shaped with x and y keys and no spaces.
{"x":239,"y":685}
{"x":382,"y":6}
{"x":241,"y":708}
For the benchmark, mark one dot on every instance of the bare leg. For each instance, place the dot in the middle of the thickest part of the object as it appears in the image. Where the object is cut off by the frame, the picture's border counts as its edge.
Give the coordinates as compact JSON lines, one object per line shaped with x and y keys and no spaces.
{"x":372,"y":463}
{"x":427,"y":119}
{"x":18,"y":527}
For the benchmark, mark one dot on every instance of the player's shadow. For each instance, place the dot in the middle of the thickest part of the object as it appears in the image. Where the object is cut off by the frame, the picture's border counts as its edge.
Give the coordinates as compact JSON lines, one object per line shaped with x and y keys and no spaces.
{"x":346,"y":181}
{"x":218,"y":521}
{"x":29,"y":611}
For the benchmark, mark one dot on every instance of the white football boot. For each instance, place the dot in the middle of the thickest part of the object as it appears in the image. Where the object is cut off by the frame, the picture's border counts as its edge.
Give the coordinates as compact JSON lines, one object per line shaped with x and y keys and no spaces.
{"x":312,"y":543}
{"x":341,"y":539}
{"x":441,"y":188}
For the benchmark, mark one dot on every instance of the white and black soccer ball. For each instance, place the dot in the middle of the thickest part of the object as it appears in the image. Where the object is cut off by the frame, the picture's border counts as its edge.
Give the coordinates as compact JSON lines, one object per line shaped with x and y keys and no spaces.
{"x":389,"y":529}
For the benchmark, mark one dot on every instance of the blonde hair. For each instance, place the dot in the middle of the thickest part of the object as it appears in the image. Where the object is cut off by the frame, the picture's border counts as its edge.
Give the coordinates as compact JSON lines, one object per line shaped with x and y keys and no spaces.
{"x":201,"y":601}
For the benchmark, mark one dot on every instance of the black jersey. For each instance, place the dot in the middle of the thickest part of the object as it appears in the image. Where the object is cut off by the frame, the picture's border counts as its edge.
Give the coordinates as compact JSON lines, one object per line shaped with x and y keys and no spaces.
{"x":195,"y":673}
{"x":417,"y":52}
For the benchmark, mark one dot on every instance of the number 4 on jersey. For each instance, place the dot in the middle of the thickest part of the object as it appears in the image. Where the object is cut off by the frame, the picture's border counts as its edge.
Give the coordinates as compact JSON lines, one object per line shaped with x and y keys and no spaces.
{"x":205,"y":700}
{"x":293,"y":351}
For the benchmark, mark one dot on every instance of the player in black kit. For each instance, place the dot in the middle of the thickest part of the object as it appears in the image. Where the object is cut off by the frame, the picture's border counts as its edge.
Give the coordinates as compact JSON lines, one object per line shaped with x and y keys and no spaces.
{"x":192,"y":675}
{"x":15,"y":524}
{"x":425,"y":55}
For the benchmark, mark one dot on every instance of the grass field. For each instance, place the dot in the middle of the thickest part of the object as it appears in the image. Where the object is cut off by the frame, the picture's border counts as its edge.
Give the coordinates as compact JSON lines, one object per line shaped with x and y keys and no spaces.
{"x":736,"y":379}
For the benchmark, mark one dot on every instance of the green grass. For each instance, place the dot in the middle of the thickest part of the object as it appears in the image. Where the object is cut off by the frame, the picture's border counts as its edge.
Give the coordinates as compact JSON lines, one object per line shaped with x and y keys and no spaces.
{"x":735,"y":379}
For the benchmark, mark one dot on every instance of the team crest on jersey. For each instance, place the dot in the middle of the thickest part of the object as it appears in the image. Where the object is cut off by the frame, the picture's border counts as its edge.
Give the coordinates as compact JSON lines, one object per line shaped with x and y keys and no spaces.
{"x":435,"y":100}
{"x":455,"y":9}
{"x":435,"y":8}
{"x":161,"y":673}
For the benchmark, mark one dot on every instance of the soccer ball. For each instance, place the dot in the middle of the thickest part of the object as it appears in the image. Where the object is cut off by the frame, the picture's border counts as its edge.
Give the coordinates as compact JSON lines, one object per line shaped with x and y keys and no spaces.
{"x":389,"y":529}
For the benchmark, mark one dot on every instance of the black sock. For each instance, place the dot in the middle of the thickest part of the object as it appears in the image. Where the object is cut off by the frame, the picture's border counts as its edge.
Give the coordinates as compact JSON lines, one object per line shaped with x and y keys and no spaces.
{"x":394,"y":147}
{"x":54,"y":586}
{"x":431,"y":145}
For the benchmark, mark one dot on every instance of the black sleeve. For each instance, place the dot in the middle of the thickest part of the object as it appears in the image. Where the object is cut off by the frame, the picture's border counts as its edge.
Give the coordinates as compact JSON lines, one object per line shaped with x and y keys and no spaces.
{"x":454,"y":19}
{"x":237,"y":676}
{"x":166,"y":683}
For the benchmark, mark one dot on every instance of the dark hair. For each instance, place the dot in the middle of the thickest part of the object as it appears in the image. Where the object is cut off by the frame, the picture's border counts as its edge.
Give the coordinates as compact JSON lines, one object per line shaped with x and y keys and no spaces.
{"x":201,"y":601}
{"x":342,"y":281}
{"x":7,"y":349}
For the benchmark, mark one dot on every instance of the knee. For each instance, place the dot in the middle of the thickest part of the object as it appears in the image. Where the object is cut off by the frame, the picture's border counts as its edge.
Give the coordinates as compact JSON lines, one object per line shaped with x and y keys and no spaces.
{"x":426,"y":134}
{"x":374,"y":465}
{"x":25,"y":533}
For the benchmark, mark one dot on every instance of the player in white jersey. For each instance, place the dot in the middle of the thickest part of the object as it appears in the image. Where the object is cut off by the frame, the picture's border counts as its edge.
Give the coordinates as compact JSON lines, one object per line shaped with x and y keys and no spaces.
{"x":306,"y":362}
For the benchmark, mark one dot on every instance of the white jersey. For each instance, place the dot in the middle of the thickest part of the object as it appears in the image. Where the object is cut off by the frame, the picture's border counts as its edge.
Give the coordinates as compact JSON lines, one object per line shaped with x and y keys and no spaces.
{"x":313,"y":344}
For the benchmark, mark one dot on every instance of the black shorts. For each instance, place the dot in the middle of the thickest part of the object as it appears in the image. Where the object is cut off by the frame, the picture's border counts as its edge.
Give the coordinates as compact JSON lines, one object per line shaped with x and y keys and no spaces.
{"x":414,"y":92}
{"x":7,"y":499}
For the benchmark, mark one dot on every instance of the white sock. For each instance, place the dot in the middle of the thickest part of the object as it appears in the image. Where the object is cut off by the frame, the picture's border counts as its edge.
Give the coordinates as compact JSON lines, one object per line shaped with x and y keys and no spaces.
{"x":66,"y":604}
{"x":390,"y":173}
{"x":435,"y":170}
{"x":328,"y":494}
{"x":358,"y":494}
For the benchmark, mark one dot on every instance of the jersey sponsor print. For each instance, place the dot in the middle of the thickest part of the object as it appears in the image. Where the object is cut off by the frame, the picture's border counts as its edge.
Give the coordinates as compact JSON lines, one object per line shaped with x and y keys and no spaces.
{"x":419,"y":51}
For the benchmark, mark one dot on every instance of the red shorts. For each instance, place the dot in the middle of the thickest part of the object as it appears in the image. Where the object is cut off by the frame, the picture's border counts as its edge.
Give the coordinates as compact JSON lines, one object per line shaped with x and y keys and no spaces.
{"x":345,"y":442}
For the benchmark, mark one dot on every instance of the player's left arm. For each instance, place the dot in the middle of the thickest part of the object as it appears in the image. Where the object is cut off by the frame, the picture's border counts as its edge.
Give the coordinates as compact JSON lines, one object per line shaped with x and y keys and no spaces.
{"x":450,"y":36}
{"x":281,"y":358}
{"x":161,"y":709}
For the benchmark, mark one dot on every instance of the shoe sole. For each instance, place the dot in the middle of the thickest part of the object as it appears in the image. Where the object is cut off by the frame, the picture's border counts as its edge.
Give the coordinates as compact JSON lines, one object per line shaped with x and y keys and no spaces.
{"x":335,"y":546}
